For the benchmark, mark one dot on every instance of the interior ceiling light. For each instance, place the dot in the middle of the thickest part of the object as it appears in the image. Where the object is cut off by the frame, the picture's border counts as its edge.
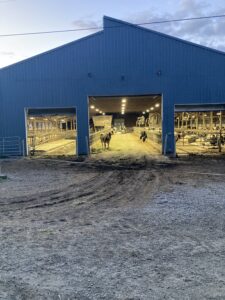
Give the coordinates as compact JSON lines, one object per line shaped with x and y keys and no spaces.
{"x":157,"y":105}
{"x":31,"y":118}
{"x":124,"y":100}
{"x":92,"y":106}
{"x":147,"y":110}
{"x":143,"y":112}
{"x":152,"y":108}
{"x":97,"y":109}
{"x":100,"y":112}
{"x":103,"y":114}
{"x":123,"y":105}
{"x":122,"y":113}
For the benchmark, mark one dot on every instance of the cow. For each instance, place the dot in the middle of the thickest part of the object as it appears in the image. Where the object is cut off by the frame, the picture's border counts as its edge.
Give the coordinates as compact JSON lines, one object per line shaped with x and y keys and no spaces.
{"x":143,"y":136}
{"x":105,"y":140}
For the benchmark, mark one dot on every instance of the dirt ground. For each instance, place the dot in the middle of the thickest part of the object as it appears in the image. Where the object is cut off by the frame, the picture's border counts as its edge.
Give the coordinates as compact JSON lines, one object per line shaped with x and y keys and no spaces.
{"x":114,"y":229}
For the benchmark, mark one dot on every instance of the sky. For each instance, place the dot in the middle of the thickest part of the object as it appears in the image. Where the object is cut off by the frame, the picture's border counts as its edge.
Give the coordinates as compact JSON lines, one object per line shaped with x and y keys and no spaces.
{"x":18,"y":16}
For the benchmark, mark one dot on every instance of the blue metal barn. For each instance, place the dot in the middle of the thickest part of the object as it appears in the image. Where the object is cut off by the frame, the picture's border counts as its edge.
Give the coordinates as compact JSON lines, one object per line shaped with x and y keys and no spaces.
{"x":122,"y":59}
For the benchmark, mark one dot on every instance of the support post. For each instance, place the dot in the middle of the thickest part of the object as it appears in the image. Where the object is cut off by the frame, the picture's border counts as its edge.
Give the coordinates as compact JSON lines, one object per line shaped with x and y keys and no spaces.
{"x":168,"y":140}
{"x":182,"y":121}
{"x":82,"y":130}
{"x":196,"y":115}
{"x":211,"y":120}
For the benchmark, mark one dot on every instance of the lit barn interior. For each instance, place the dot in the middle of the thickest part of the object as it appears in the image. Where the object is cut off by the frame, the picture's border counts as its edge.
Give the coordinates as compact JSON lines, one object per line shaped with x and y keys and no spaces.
{"x":126,"y":118}
{"x":51,"y":131}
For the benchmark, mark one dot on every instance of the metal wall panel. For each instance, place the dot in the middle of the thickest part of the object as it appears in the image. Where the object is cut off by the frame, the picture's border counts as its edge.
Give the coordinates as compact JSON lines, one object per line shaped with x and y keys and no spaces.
{"x":121,"y":60}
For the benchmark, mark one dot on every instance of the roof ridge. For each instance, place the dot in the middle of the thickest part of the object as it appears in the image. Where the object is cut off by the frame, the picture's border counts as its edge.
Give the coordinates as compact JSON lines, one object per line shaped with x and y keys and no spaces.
{"x":162,"y":34}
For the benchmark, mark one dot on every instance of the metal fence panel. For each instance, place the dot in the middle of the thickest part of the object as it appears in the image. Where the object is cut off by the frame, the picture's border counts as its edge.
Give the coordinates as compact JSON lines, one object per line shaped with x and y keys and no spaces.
{"x":11,"y":146}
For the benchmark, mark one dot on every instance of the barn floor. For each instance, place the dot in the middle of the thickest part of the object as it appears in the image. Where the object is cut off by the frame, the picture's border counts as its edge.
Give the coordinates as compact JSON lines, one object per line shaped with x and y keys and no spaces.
{"x":58,"y":147}
{"x":127,"y":144}
{"x":197,"y":149}
{"x":121,"y":145}
{"x":135,"y":229}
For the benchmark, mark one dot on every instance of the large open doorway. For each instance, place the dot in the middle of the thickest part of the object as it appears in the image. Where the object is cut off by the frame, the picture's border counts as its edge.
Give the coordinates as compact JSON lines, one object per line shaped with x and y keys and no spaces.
{"x":200,"y":129}
{"x":134,"y":121}
{"x":51,"y":131}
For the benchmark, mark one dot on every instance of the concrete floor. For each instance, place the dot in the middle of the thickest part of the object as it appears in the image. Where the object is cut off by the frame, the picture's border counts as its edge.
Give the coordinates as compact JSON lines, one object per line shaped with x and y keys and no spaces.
{"x":121,"y":145}
{"x":196,"y":149}
{"x":126,"y":144}
{"x":58,"y":147}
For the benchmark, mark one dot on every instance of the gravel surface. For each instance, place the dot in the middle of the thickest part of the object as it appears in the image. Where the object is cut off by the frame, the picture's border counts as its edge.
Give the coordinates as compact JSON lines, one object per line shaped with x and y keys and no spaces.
{"x":104,"y":229}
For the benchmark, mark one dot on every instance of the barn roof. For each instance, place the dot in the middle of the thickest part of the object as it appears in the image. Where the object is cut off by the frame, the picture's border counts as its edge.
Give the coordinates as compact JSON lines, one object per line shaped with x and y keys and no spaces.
{"x":110,"y":22}
{"x":124,"y":23}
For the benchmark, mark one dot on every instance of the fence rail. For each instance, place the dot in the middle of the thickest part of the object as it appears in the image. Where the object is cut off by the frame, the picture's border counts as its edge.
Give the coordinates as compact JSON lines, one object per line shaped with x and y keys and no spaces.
{"x":40,"y":137}
{"x":11,"y":146}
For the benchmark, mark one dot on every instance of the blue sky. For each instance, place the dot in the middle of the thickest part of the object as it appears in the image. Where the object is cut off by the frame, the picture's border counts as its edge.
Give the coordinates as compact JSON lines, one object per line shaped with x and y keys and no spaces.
{"x":43,"y":15}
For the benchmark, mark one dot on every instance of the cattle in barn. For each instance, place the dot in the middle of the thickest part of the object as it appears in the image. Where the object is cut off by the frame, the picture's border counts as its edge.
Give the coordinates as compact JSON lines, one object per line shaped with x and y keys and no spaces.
{"x":213,"y":140}
{"x":105,"y":140}
{"x":178,"y":136}
{"x":140,"y":121}
{"x":143,"y":136}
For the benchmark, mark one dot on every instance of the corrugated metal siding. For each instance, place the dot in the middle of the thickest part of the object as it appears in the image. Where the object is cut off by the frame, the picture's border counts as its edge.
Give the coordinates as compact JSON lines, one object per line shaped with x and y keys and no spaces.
{"x":59,"y":78}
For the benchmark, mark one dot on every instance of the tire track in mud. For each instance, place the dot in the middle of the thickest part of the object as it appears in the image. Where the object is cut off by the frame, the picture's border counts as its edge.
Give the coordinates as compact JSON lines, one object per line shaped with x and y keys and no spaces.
{"x":74,"y":190}
{"x":111,"y":187}
{"x":113,"y":184}
{"x":115,"y":189}
{"x":90,"y":193}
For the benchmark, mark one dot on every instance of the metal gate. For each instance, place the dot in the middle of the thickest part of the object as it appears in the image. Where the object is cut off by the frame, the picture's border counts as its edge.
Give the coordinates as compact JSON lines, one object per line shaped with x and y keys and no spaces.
{"x":11,"y":146}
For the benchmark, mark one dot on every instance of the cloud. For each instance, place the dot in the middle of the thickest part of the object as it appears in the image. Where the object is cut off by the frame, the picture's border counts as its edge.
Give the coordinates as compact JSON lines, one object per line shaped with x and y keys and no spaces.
{"x":191,"y":7}
{"x":208,"y":32}
{"x":87,"y":22}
